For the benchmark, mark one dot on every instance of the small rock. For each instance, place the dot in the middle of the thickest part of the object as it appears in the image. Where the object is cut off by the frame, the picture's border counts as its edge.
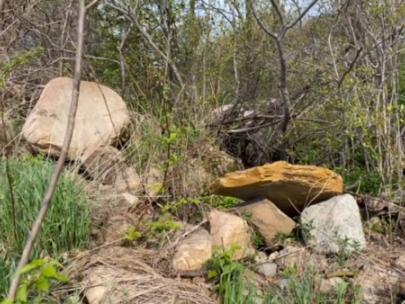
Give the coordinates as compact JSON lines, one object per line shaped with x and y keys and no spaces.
{"x":96,"y":293}
{"x":193,"y":251}
{"x":267,"y":269}
{"x":332,"y":224}
{"x":260,"y":257}
{"x":269,"y":220}
{"x":292,"y":256}
{"x":129,"y":199}
{"x":330,"y":285}
{"x":231,"y":233}
{"x":290,"y":187}
{"x":282,"y":284}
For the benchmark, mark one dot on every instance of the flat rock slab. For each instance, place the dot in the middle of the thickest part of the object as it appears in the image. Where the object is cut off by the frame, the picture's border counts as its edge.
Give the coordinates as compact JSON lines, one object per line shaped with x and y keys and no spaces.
{"x":268,"y":219}
{"x":334,"y":225}
{"x":290,"y":187}
{"x":100,"y":118}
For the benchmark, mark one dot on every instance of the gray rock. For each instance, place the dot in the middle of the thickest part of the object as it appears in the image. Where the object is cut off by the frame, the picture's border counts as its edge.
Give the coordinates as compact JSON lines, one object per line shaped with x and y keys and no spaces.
{"x":267,"y":269}
{"x":334,"y":225}
{"x":260,"y":257}
{"x":283,"y":283}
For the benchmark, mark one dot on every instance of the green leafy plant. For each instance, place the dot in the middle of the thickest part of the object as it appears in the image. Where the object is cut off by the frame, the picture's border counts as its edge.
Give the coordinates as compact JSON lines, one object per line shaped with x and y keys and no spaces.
{"x":37,"y":278}
{"x":223,"y":202}
{"x":132,"y":234}
{"x":347,"y":248}
{"x":158,"y":228}
{"x":229,"y":275}
{"x":304,"y":231}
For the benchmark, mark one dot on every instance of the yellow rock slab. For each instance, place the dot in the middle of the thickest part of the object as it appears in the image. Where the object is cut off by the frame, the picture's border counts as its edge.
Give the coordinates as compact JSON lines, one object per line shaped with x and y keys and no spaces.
{"x":290,"y":187}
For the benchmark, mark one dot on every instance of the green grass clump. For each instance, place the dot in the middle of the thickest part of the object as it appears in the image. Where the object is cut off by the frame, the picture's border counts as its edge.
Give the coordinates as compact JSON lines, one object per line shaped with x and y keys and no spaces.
{"x":232,"y":285}
{"x":67,"y":224}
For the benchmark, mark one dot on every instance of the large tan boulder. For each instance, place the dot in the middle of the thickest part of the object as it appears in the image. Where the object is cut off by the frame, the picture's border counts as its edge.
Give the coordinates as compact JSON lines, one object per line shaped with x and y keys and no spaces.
{"x":100,"y":118}
{"x":290,"y":187}
{"x":192,"y":252}
{"x":268,"y":219}
{"x":230,"y":233}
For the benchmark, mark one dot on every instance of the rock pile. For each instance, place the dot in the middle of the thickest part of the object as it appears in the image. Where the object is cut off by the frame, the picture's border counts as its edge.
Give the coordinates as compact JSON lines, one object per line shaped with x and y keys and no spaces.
{"x":329,"y":219}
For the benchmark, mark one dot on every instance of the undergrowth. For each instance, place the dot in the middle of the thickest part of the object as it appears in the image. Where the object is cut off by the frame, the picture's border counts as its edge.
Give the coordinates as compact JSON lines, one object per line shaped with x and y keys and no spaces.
{"x":67,"y":225}
{"x":235,"y":287}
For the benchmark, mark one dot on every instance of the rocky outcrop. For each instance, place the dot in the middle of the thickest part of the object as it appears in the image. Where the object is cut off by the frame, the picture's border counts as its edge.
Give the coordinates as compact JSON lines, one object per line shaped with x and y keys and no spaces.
{"x":100,"y":118}
{"x":192,"y":252}
{"x":231,"y":233}
{"x":290,"y":187}
{"x":334,"y":225}
{"x":268,"y":219}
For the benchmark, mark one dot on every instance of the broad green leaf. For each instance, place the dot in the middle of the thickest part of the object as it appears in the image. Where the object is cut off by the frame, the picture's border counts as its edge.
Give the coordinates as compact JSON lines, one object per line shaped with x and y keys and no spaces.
{"x":33,"y":265}
{"x":7,"y":301}
{"x":22,"y":293}
{"x":42,"y":284}
{"x":49,"y":271}
{"x":62,"y":278}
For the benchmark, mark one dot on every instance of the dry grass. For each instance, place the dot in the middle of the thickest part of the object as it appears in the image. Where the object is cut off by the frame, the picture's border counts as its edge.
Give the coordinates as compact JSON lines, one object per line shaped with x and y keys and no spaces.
{"x":125,"y":275}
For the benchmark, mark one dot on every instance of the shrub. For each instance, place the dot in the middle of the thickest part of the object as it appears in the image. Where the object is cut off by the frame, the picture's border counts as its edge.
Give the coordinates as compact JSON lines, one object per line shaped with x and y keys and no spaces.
{"x":66,"y":226}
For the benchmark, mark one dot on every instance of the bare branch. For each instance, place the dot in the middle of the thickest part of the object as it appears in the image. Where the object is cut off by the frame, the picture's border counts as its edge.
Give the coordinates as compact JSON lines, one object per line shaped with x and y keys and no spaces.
{"x":278,"y":12}
{"x":262,"y":26}
{"x":351,"y":66}
{"x":304,"y":12}
{"x":130,"y":15}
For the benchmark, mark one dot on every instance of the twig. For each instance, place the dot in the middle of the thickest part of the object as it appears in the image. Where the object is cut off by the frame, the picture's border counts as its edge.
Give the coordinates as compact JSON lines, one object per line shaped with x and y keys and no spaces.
{"x":47,"y":201}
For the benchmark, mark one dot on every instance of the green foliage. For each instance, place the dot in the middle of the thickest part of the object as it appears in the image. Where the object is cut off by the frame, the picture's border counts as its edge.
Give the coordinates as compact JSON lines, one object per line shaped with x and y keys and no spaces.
{"x":234,"y":286}
{"x":132,"y":234}
{"x":36,"y":280}
{"x":165,"y":226}
{"x":362,"y":180}
{"x":347,"y":249}
{"x":178,"y":205}
{"x":67,"y":224}
{"x":224,"y":202}
{"x":19,"y":60}
{"x":301,"y":289}
{"x":304,"y":231}
{"x":157,"y":233}
{"x":210,"y":201}
{"x":229,"y":276}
